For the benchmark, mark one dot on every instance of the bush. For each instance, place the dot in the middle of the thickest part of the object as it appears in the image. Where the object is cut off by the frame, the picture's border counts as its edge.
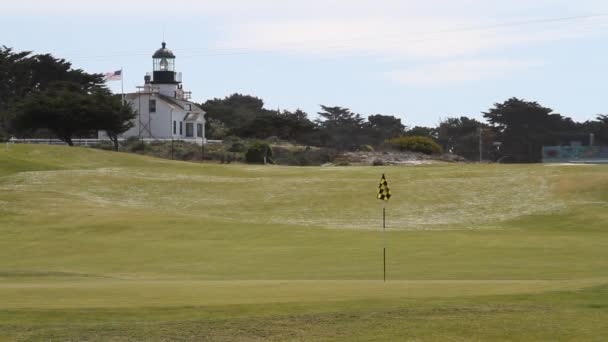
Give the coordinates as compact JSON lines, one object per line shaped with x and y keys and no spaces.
{"x":231,"y":139}
{"x":415,"y":144}
{"x":378,"y":162}
{"x":216,"y":130}
{"x":238,"y":146}
{"x":273,"y":140}
{"x":258,"y":152}
{"x":366,"y":148}
{"x":134,"y":144}
{"x":342,"y":162}
{"x":302,"y":158}
{"x":105,"y":145}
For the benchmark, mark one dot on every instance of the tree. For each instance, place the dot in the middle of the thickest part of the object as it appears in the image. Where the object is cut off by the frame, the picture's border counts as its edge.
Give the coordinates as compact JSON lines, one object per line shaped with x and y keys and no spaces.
{"x":340,"y":128}
{"x":602,"y":132}
{"x":13,"y":66}
{"x":384,"y":127}
{"x":23,"y":74}
{"x":115,"y":117}
{"x":235,"y":111}
{"x":297,"y":127}
{"x":68,"y":109}
{"x":421,"y":131}
{"x":461,"y":136}
{"x":599,"y":128}
{"x":215,"y":129}
{"x":524,"y":127}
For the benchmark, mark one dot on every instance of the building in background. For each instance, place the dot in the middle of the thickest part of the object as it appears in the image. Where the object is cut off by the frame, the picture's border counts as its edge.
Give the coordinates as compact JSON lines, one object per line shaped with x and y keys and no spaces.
{"x":576,"y":148}
{"x":164,"y":110}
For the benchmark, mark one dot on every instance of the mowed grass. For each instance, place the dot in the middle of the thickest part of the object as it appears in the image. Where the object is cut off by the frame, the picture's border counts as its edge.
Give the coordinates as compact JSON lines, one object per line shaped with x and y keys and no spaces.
{"x":103,"y":246}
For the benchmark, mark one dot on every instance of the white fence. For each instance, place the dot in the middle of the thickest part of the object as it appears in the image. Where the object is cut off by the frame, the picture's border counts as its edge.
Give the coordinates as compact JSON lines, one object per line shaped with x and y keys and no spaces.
{"x":89,"y":142}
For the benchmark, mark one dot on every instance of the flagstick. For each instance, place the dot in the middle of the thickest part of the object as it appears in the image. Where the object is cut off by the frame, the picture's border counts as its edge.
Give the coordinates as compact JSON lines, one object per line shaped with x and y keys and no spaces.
{"x":384,"y":239}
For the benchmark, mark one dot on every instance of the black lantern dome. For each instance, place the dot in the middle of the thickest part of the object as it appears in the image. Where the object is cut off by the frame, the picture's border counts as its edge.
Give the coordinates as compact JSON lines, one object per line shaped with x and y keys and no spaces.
{"x":164,"y":66}
{"x":163,"y":52}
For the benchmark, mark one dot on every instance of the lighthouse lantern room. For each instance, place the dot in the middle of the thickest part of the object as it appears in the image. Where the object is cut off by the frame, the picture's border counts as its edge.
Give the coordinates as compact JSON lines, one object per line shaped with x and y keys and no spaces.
{"x":164,"y":66}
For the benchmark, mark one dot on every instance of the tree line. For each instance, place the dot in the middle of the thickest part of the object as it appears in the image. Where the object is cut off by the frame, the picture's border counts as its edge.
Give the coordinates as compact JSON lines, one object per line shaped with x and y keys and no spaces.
{"x":42,"y":93}
{"x":515,"y":131}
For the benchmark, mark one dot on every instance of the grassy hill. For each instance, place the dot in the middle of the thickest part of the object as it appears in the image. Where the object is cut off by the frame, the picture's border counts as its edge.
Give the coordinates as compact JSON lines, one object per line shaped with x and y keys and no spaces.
{"x":106,"y":246}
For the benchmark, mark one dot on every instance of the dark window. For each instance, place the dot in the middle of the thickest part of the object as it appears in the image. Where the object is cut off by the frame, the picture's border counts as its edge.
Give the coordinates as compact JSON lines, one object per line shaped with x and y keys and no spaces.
{"x":199,"y":130}
{"x":174,"y":127}
{"x":152,"y":106}
{"x":181,"y":128}
{"x":189,"y":129}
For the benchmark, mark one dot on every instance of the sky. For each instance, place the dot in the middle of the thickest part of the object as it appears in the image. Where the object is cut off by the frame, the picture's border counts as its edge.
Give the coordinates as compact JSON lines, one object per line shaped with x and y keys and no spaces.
{"x":422,"y":61}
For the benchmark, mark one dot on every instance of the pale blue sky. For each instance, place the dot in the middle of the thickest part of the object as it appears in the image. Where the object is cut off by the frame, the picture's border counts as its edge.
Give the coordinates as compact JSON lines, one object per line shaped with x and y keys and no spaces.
{"x":419,"y":60}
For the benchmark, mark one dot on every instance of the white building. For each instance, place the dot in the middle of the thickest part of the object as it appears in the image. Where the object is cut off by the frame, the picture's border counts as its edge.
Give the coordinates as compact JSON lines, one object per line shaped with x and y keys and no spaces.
{"x":163,"y":108}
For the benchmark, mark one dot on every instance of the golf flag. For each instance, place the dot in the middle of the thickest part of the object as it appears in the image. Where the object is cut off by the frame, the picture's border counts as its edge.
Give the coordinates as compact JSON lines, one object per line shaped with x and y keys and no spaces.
{"x":384,"y":193}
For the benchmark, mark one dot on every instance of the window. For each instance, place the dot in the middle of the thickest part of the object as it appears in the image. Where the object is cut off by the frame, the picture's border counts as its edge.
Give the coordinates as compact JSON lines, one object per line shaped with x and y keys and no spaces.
{"x":189,"y":129}
{"x":152,"y":105}
{"x":188,"y":106}
{"x":199,"y":130}
{"x":181,"y":128}
{"x":174,"y":127}
{"x":164,"y":64}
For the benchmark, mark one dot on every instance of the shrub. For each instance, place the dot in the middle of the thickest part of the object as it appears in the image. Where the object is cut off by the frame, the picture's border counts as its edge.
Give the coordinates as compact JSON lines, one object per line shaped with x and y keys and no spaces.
{"x":378,"y":162}
{"x":342,"y":162}
{"x":415,"y":144}
{"x":273,"y":140}
{"x":238,"y":146}
{"x":134,"y":144}
{"x":302,"y":158}
{"x":132,"y":140}
{"x":257,"y":151}
{"x":105,"y":145}
{"x":231,"y":139}
{"x":366,"y":148}
{"x":216,"y":130}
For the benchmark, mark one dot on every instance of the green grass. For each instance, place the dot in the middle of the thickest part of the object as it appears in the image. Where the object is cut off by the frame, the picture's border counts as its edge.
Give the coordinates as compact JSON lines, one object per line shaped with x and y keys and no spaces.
{"x":103,"y":246}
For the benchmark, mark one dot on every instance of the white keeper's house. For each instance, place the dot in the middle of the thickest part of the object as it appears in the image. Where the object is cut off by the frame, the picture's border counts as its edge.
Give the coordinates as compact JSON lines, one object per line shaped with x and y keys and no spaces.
{"x":164,"y":110}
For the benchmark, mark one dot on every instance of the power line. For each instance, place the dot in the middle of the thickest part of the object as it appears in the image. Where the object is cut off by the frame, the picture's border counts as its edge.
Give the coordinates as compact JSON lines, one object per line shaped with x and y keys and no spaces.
{"x":526,"y":22}
{"x":234,"y":51}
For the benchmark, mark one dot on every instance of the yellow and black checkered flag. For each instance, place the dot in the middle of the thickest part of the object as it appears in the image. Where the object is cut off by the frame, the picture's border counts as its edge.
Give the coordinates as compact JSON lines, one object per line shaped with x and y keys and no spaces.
{"x":384,"y":193}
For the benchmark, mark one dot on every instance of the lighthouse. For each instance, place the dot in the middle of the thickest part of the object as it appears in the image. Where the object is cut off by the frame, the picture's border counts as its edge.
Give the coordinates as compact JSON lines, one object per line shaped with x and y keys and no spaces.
{"x":164,"y":110}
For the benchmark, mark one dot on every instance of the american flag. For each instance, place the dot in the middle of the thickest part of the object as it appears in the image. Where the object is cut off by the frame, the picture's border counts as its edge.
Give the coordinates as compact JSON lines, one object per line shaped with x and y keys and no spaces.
{"x":113,"y":76}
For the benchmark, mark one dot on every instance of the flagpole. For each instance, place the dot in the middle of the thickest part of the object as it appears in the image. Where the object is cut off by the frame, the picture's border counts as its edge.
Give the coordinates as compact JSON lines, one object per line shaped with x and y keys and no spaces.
{"x":122,"y":85}
{"x":384,"y":239}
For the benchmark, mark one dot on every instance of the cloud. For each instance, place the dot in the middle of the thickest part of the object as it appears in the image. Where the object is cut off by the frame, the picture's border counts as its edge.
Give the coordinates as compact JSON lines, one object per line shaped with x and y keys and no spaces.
{"x":448,"y":73}
{"x":281,"y":8}
{"x":437,"y":35}
{"x":414,"y":37}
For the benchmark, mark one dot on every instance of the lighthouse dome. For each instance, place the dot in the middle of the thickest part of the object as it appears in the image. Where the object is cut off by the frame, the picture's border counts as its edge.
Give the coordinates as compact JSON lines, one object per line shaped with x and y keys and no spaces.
{"x":163,"y":52}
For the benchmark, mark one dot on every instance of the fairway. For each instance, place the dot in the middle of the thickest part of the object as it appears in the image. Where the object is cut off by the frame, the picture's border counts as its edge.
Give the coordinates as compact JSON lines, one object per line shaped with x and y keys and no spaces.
{"x":101,"y":246}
